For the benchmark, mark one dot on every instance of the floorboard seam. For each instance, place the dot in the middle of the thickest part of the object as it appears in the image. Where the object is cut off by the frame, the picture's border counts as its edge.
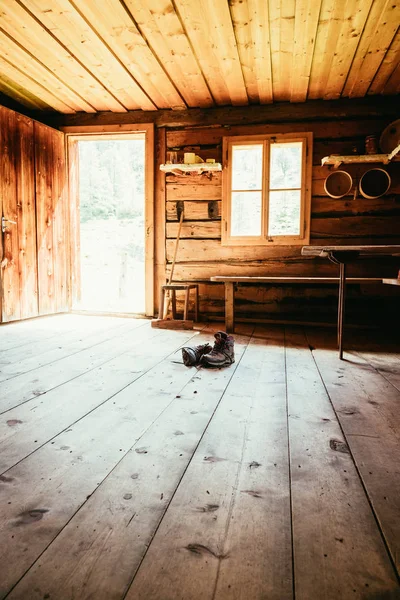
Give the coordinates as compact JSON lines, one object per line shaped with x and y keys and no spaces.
{"x":389,"y":554}
{"x":64,"y":357}
{"x":360,"y":355}
{"x":68,"y":380}
{"x":90,"y":411}
{"x":104,"y":479}
{"x":186,"y":468}
{"x":233,"y":499}
{"x":289,"y":470}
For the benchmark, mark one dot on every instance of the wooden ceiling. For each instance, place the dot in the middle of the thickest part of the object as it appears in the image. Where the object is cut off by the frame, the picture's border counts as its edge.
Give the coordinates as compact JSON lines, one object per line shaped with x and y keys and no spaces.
{"x":120,"y":55}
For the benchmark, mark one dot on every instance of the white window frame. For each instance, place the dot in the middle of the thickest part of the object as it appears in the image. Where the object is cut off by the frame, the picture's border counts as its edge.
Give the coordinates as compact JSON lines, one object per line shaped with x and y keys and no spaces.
{"x":306,"y":182}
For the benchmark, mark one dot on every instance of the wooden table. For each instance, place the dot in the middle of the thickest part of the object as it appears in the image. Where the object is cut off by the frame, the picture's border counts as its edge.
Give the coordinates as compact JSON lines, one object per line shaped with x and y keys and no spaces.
{"x":342,"y":256}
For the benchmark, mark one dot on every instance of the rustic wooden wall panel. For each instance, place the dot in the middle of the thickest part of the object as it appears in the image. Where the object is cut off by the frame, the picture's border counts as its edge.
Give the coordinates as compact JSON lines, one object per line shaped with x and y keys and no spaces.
{"x":11,"y":307}
{"x":52,"y":224}
{"x":61,"y":229}
{"x":74,"y":224}
{"x":26,"y":217}
{"x":352,"y":219}
{"x":19,"y":258}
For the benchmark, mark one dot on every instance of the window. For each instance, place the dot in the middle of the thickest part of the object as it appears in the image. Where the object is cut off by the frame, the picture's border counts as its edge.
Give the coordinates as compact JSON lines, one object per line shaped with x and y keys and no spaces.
{"x":267,"y":189}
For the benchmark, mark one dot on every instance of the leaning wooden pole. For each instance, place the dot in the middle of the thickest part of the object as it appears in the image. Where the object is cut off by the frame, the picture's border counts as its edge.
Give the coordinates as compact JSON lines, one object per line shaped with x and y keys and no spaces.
{"x":166,"y":308}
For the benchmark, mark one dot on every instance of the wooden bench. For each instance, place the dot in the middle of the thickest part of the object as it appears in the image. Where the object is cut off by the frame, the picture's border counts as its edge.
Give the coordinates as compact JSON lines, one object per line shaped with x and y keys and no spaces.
{"x":230,"y":283}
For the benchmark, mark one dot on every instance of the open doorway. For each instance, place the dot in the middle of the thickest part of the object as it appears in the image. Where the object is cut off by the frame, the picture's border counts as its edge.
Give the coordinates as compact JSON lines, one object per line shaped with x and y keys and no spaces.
{"x":113,"y":218}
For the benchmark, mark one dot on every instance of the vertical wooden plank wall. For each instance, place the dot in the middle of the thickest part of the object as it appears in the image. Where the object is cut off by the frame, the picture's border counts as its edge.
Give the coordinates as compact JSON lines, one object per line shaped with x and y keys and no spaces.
{"x":19,"y":257}
{"x":74,"y":224}
{"x":26,"y":205}
{"x":345,"y":221}
{"x":8,"y":190}
{"x":52,"y":222}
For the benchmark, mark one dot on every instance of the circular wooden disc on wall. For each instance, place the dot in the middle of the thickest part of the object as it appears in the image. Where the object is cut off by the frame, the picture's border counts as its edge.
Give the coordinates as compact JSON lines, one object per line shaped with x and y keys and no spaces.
{"x":390,"y":137}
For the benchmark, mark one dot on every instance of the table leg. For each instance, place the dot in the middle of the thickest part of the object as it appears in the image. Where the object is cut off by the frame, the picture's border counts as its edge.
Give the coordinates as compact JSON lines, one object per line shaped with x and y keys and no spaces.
{"x":229,"y":307}
{"x":341,"y":307}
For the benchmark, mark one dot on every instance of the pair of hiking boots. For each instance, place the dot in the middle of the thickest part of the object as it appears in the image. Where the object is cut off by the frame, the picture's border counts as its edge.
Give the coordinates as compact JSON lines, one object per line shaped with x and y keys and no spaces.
{"x":221,"y":355}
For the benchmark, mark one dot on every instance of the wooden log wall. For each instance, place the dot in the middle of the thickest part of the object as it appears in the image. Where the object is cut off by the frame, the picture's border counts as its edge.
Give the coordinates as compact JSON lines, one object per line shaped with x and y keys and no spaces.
{"x":349,"y":220}
{"x":33,"y":249}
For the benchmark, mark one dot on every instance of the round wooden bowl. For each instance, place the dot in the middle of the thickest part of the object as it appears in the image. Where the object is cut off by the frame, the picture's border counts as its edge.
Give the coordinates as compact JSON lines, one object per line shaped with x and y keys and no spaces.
{"x":375,"y":183}
{"x":338,"y":184}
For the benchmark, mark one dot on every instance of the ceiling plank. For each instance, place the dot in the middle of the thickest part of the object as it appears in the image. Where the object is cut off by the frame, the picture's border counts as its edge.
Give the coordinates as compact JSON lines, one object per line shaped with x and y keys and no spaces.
{"x":259,"y":25}
{"x":379,"y":31}
{"x":30,"y":34}
{"x":115,"y":25}
{"x":355,"y":16}
{"x":30,"y":86}
{"x":329,"y":26}
{"x":76,"y":34}
{"x":240,"y":16}
{"x":393,"y":84}
{"x":286,"y":73}
{"x":388,"y":65}
{"x":28,"y":64}
{"x":160,"y":25}
{"x":209,"y":28}
{"x":19,"y":93}
{"x":305,"y":31}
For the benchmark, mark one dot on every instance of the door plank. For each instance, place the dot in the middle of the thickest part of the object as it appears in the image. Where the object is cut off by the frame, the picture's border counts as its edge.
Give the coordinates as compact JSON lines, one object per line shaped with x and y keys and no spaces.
{"x":11,"y":306}
{"x":27,"y":254}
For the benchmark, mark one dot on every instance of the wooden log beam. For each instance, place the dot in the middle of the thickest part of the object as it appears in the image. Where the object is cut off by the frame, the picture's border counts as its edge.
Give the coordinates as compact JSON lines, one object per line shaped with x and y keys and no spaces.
{"x":280,"y":112}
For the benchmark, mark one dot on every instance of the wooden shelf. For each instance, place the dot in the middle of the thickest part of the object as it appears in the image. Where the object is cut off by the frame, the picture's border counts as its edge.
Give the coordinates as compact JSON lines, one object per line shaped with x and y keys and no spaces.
{"x":180,"y":169}
{"x":391,"y":281}
{"x":337,"y":160}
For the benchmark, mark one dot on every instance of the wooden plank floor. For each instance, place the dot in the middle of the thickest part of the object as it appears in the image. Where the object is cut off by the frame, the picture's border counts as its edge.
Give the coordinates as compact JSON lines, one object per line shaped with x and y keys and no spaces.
{"x":125,"y":474}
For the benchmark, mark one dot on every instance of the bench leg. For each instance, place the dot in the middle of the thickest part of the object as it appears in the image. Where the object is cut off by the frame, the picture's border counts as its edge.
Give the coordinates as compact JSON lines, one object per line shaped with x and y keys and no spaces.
{"x":229,"y":307}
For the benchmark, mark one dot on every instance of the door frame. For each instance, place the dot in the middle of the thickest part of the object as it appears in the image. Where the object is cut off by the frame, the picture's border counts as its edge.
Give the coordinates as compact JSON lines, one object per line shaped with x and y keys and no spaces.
{"x":76,"y":134}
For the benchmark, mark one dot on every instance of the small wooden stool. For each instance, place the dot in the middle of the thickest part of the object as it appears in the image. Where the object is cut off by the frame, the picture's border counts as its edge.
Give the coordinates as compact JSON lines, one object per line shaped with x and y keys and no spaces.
{"x":180,"y":286}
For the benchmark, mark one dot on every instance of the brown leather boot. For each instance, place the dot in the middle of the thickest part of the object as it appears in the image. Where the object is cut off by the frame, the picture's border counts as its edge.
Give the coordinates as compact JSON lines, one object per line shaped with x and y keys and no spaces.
{"x":192,"y":355}
{"x":223,"y":353}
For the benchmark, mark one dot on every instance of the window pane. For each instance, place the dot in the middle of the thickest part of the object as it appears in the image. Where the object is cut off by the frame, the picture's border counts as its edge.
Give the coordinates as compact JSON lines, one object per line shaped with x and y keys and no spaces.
{"x":247,"y":167}
{"x":284,"y":213}
{"x":285,"y":165}
{"x":246,"y":213}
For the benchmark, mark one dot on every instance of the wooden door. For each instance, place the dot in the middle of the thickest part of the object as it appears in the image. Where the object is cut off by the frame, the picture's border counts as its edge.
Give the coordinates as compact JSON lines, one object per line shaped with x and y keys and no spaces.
{"x":34,"y":248}
{"x":18,"y":273}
